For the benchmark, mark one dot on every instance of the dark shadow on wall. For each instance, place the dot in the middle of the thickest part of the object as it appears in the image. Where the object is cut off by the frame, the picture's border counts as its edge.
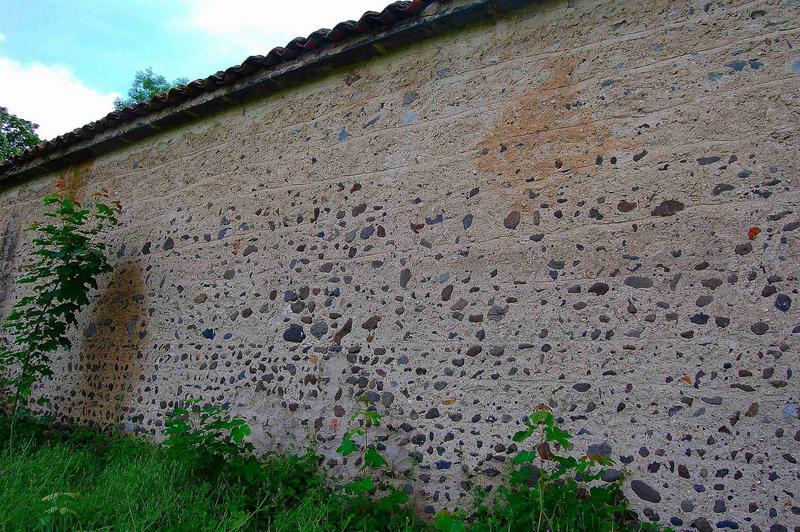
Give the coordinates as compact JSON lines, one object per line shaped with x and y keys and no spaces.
{"x":110,"y":357}
{"x":8,"y":253}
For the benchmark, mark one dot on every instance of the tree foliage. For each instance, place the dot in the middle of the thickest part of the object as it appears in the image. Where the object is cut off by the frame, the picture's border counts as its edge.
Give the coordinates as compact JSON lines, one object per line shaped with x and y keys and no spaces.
{"x":147,"y":84}
{"x":67,"y":260}
{"x":16,"y":134}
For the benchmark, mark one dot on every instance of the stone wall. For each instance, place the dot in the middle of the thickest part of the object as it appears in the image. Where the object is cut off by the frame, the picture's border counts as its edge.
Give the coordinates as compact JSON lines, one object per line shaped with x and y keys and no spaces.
{"x":587,"y":204}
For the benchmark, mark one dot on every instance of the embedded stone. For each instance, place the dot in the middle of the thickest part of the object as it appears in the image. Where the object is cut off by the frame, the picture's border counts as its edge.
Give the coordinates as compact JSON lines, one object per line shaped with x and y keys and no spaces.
{"x":645,"y":492}
{"x":512,"y":220}
{"x":636,"y":281}
{"x":668,"y":208}
{"x":294,"y":334}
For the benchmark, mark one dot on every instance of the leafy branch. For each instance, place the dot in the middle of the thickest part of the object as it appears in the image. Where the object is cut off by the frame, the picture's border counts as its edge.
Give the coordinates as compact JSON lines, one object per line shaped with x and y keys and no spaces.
{"x":67,"y":260}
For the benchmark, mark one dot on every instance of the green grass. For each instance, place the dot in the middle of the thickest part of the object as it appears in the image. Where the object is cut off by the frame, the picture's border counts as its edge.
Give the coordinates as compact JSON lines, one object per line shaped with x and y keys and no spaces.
{"x":128,"y":487}
{"x":91,"y":482}
{"x":84,"y":480}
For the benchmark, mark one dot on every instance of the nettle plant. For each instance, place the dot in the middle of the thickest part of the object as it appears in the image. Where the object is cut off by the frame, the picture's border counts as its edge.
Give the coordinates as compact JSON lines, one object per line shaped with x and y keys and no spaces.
{"x":547,"y":489}
{"x":210,"y":439}
{"x":368,"y":513}
{"x":67,"y":259}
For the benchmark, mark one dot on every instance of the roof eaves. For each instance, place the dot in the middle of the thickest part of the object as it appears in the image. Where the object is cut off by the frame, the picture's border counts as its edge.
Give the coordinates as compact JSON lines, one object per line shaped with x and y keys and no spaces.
{"x":347,"y":43}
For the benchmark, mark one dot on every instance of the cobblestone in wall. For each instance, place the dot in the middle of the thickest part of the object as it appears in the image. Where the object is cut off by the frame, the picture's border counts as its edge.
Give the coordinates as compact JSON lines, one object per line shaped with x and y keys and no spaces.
{"x":588,"y":204}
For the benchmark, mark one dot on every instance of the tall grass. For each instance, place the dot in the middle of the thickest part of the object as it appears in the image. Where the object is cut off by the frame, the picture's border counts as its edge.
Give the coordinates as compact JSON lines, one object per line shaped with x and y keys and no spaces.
{"x":58,"y":485}
{"x":86,"y":481}
{"x":82,"y":480}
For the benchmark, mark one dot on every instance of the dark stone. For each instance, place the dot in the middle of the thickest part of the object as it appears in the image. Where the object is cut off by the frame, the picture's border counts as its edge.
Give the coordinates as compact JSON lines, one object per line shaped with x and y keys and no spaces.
{"x":719,"y":188}
{"x":599,"y":289}
{"x":783,"y":302}
{"x":496,"y":313}
{"x":409,"y":97}
{"x":759,"y":328}
{"x":702,"y":525}
{"x":703,"y":161}
{"x":371,"y":324}
{"x":294,"y":334}
{"x":367,"y":232}
{"x":635,"y":281}
{"x":319,"y":329}
{"x":387,"y":398}
{"x":599,"y":449}
{"x":668,"y":208}
{"x":645,"y":492}
{"x":474,"y":350}
{"x":405,"y":276}
{"x":447,"y":292}
{"x":512,"y":220}
{"x":610,"y":475}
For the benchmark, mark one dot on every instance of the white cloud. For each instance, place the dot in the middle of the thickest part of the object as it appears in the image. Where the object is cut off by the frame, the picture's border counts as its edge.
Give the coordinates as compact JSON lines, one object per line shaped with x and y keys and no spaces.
{"x":51,"y":96}
{"x":257,"y":26}
{"x":2,"y":37}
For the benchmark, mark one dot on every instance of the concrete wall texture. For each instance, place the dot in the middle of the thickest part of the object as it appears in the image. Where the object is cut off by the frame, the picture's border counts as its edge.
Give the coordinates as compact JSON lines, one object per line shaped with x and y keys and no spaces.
{"x":588,"y":204}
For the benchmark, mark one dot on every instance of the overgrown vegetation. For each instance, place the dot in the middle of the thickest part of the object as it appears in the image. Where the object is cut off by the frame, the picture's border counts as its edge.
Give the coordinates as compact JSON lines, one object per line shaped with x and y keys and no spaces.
{"x":206,"y":477}
{"x":67,"y":258}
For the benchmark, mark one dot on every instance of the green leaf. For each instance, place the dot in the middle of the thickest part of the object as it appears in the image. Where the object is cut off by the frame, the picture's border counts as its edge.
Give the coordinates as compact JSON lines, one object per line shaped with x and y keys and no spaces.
{"x":556,"y":434}
{"x":239,"y":432}
{"x":446,"y":522}
{"x":522,"y":435}
{"x":525,"y":457}
{"x":365,"y":484}
{"x":373,"y":459}
{"x":541,"y":417}
{"x":347,"y":447}
{"x":392,"y":501}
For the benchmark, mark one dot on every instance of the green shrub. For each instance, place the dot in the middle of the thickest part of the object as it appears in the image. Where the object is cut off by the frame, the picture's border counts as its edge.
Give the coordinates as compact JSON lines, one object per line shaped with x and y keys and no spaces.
{"x":359,"y":508}
{"x":545,"y":490}
{"x":67,"y":259}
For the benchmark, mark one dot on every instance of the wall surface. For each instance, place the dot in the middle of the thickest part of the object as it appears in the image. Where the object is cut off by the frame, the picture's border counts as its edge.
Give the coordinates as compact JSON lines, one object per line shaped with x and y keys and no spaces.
{"x":592,"y":205}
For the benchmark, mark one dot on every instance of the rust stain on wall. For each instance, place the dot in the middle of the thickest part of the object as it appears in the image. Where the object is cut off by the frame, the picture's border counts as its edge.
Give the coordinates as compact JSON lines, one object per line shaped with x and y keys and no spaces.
{"x":72,"y":180}
{"x":542,"y":138}
{"x":110,"y":357}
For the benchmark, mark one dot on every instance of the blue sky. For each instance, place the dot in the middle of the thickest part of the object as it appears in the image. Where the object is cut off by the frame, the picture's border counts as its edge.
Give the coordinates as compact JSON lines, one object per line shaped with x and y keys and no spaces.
{"x":62,"y":62}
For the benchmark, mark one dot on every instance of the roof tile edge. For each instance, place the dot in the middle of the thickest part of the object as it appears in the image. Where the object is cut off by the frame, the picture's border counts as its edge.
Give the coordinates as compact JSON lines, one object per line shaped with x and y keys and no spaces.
{"x":400,"y":23}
